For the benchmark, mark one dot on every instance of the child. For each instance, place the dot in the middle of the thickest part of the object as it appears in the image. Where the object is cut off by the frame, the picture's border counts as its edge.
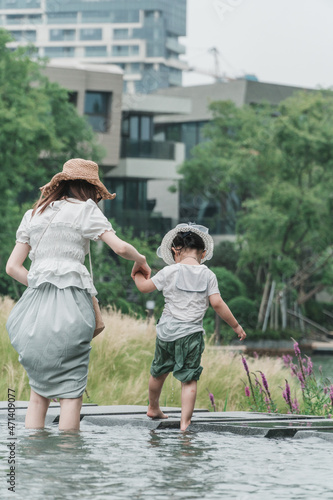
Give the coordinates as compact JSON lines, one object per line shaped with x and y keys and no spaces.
{"x":186,"y":287}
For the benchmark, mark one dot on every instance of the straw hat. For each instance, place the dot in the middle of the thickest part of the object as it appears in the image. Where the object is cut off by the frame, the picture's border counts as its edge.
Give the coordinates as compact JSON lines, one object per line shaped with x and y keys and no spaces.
{"x":164,"y":251}
{"x":75,"y":169}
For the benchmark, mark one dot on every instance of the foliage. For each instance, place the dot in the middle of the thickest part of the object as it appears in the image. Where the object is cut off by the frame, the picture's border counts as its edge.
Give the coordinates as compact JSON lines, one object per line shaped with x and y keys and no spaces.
{"x":245,"y":310}
{"x":226,"y":254}
{"x":119,"y":367}
{"x":230,"y":286}
{"x":314,"y":395}
{"x":278,"y":161}
{"x":40,"y":130}
{"x":112,"y":275}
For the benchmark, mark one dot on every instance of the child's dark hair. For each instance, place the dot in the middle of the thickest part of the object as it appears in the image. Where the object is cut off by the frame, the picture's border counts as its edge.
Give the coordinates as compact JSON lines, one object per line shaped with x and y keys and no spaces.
{"x":188,"y":240}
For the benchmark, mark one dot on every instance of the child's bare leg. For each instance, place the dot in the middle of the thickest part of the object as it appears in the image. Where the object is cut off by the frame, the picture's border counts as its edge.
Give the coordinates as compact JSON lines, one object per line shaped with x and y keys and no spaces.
{"x":37,"y":408}
{"x":70,"y":414}
{"x":155,"y":389}
{"x":189,"y":394}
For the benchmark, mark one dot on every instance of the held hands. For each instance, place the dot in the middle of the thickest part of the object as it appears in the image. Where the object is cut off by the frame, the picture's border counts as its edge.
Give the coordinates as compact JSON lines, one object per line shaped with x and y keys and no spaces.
{"x":141,"y":268}
{"x":240,"y":332}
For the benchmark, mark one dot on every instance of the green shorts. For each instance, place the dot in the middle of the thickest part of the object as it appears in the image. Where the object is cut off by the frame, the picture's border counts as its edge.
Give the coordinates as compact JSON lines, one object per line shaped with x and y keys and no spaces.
{"x":181,"y":356}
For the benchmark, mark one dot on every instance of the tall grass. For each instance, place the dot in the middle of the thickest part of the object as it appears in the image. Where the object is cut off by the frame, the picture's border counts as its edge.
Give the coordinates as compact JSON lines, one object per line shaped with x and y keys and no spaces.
{"x":120,"y":361}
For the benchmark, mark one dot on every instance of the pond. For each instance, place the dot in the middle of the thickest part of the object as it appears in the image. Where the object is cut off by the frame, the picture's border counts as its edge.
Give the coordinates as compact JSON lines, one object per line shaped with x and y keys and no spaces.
{"x":129,"y":462}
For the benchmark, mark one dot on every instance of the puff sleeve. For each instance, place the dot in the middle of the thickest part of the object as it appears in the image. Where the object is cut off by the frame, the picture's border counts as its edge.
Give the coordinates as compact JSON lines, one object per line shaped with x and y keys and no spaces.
{"x":93,"y":222}
{"x":159,"y":279}
{"x":23,"y":233}
{"x":213,"y":286}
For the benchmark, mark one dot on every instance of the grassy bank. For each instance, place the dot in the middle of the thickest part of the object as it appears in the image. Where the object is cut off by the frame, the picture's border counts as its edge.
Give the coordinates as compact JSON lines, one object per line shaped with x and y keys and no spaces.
{"x":120,"y":361}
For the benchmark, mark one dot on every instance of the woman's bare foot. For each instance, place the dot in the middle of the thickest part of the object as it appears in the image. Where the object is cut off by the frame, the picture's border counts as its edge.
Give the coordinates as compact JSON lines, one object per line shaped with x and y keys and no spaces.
{"x":156,"y":413}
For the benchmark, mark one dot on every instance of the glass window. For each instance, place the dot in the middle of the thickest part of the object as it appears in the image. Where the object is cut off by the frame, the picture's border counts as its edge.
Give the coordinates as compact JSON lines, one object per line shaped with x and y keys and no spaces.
{"x":120,"y":50}
{"x":95,"y":51}
{"x":145,"y":128}
{"x":120,"y":34}
{"x":134,"y":128}
{"x":91,"y":34}
{"x":56,"y":34}
{"x":29,"y":35}
{"x":189,"y":137}
{"x":59,"y":51}
{"x":61,"y":17}
{"x":134,"y":50}
{"x":97,"y":108}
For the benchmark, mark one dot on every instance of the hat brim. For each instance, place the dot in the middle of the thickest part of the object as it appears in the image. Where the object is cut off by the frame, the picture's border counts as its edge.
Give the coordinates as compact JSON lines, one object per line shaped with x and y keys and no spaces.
{"x":165,"y":253}
{"x":62,"y":176}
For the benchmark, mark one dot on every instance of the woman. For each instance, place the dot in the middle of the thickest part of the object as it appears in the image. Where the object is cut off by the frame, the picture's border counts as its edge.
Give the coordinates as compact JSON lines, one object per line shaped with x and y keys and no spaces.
{"x":53,"y":323}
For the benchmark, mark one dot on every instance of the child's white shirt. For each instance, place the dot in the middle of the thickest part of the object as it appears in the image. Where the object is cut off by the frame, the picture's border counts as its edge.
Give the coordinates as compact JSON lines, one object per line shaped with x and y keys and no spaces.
{"x":186,"y":289}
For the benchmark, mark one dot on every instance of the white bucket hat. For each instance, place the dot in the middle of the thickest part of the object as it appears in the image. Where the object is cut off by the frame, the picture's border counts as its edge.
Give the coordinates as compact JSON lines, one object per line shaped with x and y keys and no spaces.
{"x":164,"y":251}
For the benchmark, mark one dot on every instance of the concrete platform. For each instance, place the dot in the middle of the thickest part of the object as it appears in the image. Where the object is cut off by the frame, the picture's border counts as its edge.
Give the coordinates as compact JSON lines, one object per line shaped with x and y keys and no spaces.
{"x":238,"y":422}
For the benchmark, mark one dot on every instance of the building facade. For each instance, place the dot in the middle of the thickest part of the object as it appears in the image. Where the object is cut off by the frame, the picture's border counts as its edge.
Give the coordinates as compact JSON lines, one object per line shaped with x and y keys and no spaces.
{"x":140,"y":36}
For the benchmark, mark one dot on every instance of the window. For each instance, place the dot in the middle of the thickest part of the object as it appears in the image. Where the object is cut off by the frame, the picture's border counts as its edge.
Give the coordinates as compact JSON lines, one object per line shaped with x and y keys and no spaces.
{"x":125,"y":50}
{"x":96,"y":51}
{"x":28,"y":36}
{"x":120,"y":34}
{"x":91,"y":34}
{"x":59,"y":35}
{"x":137,"y":127}
{"x":61,"y":17}
{"x":97,"y":108}
{"x":59,"y":51}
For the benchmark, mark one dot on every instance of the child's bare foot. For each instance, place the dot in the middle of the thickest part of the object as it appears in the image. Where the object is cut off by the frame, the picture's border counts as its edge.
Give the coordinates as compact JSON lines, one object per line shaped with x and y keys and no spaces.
{"x":156,"y":413}
{"x":184,"y":425}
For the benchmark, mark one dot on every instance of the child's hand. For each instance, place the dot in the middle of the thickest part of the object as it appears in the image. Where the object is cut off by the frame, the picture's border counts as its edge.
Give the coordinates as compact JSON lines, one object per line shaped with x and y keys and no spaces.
{"x":240,"y":332}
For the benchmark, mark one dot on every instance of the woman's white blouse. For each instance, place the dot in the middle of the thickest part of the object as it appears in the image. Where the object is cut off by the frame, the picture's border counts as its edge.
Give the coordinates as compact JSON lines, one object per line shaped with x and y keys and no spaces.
{"x":58,"y":255}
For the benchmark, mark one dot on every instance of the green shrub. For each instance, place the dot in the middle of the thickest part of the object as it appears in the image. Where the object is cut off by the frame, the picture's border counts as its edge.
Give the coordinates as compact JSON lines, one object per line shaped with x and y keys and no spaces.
{"x":245,"y":311}
{"x":230,"y":286}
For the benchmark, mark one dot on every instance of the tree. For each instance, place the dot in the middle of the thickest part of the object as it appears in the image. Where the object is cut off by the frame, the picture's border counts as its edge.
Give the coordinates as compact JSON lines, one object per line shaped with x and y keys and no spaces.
{"x":279,"y":162}
{"x":40,"y":130}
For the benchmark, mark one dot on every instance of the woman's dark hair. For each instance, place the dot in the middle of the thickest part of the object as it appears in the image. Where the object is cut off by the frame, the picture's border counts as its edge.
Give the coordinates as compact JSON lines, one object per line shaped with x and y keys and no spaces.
{"x":79,"y":189}
{"x":188,"y":240}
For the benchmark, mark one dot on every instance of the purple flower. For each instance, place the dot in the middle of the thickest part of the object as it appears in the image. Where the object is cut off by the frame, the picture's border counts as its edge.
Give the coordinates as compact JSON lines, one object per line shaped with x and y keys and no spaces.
{"x":246,"y":368}
{"x":301,"y":379}
{"x":325,"y":389}
{"x":264,"y":382}
{"x":309,"y":369}
{"x":247,"y":392}
{"x":293,"y":369}
{"x":287,"y":359}
{"x":297,"y":349}
{"x":286,"y":394}
{"x":295,"y":405}
{"x":255,"y":355}
{"x":331,"y":394}
{"x":212,"y":399}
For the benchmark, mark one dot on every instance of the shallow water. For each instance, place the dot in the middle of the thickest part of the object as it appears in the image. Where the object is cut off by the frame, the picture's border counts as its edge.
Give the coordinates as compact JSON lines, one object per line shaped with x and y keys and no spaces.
{"x":128,"y":462}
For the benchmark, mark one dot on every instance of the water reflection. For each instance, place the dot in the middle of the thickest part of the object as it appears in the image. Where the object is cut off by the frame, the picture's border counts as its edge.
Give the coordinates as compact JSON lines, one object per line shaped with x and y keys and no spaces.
{"x":125,"y":462}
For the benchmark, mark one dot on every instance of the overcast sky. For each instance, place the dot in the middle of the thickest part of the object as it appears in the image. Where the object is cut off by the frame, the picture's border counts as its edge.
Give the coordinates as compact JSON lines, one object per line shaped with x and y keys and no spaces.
{"x":280,"y":41}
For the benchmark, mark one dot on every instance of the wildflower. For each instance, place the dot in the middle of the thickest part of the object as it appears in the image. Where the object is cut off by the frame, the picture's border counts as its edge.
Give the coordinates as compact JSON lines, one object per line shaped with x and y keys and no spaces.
{"x":212,"y":400}
{"x":245,"y":365}
{"x":309,"y":369}
{"x":265,"y":383}
{"x":287,"y":359}
{"x":247,"y":391}
{"x":293,"y":369}
{"x":295,"y":405}
{"x":325,"y":389}
{"x":286,"y":395}
{"x":301,"y":379}
{"x":297,"y":349}
{"x":331,"y":394}
{"x":255,"y":355}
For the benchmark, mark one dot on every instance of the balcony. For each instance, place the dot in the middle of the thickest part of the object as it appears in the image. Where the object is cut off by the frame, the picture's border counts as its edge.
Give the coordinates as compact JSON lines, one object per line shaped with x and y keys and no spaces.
{"x":147,"y":149}
{"x":173,"y":45}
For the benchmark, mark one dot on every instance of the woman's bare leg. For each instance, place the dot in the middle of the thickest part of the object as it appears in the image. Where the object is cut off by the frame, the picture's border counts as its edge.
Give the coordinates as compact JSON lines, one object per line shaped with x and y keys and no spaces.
{"x":70,"y":414}
{"x":189,"y":394}
{"x":155,"y":389}
{"x":36,"y":413}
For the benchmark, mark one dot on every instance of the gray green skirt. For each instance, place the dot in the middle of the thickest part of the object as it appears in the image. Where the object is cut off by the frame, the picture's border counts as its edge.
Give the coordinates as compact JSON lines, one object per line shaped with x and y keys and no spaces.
{"x":51,"y":329}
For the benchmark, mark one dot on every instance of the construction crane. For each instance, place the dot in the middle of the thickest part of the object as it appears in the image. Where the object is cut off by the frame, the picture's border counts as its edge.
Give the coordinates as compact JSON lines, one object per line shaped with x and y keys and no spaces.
{"x":217,"y":74}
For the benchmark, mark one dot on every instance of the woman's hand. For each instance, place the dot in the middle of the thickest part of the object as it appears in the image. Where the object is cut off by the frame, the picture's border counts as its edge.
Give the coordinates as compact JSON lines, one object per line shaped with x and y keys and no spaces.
{"x":143,"y":268}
